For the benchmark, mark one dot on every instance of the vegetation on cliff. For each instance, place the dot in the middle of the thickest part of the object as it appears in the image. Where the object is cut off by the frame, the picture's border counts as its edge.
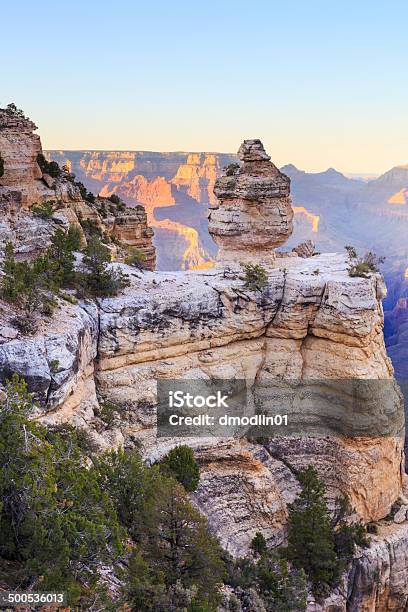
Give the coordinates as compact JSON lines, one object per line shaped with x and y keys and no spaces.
{"x":99,"y":280}
{"x":265,"y":581}
{"x":255,"y":276}
{"x":32,"y":287}
{"x":317,"y":543}
{"x":65,"y":512}
{"x":181,"y":463}
{"x":136,"y":258}
{"x":44,"y":211}
{"x":51,"y":168}
{"x":363,"y":265}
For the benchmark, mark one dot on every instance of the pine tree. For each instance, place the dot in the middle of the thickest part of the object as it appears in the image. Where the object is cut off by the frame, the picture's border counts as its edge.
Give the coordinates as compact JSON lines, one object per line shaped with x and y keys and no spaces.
{"x":282,"y":590}
{"x":56,"y":522}
{"x":99,"y":279}
{"x":183,"y":466}
{"x":10,"y":288}
{"x":180,"y":546}
{"x":61,"y":252}
{"x":311,"y":536}
{"x":258,"y":544}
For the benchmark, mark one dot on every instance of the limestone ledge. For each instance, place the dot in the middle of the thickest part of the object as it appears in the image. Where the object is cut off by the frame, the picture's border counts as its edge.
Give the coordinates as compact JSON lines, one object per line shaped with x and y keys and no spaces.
{"x":311,"y":321}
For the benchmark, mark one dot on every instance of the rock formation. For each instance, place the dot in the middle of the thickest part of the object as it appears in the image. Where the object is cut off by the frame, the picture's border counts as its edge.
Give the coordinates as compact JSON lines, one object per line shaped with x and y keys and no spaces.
{"x":23,"y":184}
{"x":254,"y":214}
{"x":310,"y":322}
{"x":19,"y":147}
{"x":175,"y":188}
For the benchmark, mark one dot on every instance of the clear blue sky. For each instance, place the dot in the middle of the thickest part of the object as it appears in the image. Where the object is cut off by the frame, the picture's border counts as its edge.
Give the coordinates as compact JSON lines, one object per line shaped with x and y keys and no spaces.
{"x":322,"y":83}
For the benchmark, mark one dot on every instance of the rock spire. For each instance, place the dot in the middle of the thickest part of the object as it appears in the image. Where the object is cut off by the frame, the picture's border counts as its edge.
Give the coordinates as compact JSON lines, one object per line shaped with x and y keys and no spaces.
{"x":253,"y":215}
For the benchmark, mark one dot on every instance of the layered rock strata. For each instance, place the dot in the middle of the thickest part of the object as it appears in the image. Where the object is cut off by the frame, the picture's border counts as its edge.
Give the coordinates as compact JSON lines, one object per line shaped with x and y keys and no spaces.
{"x":311,"y":321}
{"x":202,"y":325}
{"x":23,"y":184}
{"x":253,"y":215}
{"x":19,"y":147}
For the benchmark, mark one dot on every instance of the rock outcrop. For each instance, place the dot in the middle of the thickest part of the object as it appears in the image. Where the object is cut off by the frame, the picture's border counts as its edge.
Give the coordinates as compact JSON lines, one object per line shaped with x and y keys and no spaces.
{"x":254,"y":214}
{"x":23,"y":184}
{"x":310,"y":322}
{"x":202,"y":325}
{"x":19,"y":147}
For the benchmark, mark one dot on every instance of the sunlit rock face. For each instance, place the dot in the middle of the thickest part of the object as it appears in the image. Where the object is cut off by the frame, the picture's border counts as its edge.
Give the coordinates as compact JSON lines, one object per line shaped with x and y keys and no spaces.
{"x":175,"y":189}
{"x":254,"y":214}
{"x":198,"y":176}
{"x":19,"y":147}
{"x":130,"y":228}
{"x":310,"y":321}
{"x":23,"y":184}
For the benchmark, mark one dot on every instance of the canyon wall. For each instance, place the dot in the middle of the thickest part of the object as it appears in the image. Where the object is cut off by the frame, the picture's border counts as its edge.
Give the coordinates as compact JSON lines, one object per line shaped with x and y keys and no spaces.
{"x":25,"y":186}
{"x":309,"y":322}
{"x":175,"y":189}
{"x":329,"y":208}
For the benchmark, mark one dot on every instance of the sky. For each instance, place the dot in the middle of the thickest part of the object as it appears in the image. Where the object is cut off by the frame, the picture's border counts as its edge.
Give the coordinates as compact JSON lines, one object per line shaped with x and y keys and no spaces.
{"x":323,"y":84}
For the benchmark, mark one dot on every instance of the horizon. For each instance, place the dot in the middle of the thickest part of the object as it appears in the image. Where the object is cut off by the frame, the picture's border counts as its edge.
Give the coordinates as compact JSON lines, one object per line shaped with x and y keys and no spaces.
{"x":321,"y":85}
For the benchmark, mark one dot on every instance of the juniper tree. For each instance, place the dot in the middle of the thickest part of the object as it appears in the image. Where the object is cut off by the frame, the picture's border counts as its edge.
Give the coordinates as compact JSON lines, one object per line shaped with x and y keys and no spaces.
{"x":98,"y":278}
{"x":311,"y":544}
{"x":56,"y":522}
{"x":181,"y":463}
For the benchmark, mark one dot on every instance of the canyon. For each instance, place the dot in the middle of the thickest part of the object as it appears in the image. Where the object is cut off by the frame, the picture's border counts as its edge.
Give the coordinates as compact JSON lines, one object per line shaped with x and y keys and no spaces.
{"x":329,"y":208}
{"x":310,"y":324}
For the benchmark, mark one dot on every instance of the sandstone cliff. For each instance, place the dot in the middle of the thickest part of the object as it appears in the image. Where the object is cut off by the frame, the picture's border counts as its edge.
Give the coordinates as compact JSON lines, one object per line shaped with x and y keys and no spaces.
{"x":311,"y":321}
{"x":24,"y":184}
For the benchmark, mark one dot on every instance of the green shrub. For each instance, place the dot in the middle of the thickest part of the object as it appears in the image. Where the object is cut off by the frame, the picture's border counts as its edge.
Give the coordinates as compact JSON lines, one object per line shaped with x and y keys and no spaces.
{"x":281,"y":589}
{"x":258,"y":544}
{"x":71,"y":299}
{"x":90,"y":227}
{"x":82,"y":189}
{"x":108,"y":412}
{"x":12,"y":109}
{"x":114,"y":198}
{"x":99,"y":280}
{"x":30,"y":286}
{"x":61,"y":252}
{"x":181,"y":463}
{"x":51,"y":168}
{"x":44,"y":211}
{"x":364,"y":265}
{"x":136,"y":258}
{"x":231,"y":169}
{"x":255,"y":278}
{"x":270,"y":580}
{"x":347,"y":534}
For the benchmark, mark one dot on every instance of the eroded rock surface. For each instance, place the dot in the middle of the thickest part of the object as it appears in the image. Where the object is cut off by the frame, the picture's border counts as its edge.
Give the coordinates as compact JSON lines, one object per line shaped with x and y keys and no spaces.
{"x":254,"y":214}
{"x":311,"y":321}
{"x":24,"y":185}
